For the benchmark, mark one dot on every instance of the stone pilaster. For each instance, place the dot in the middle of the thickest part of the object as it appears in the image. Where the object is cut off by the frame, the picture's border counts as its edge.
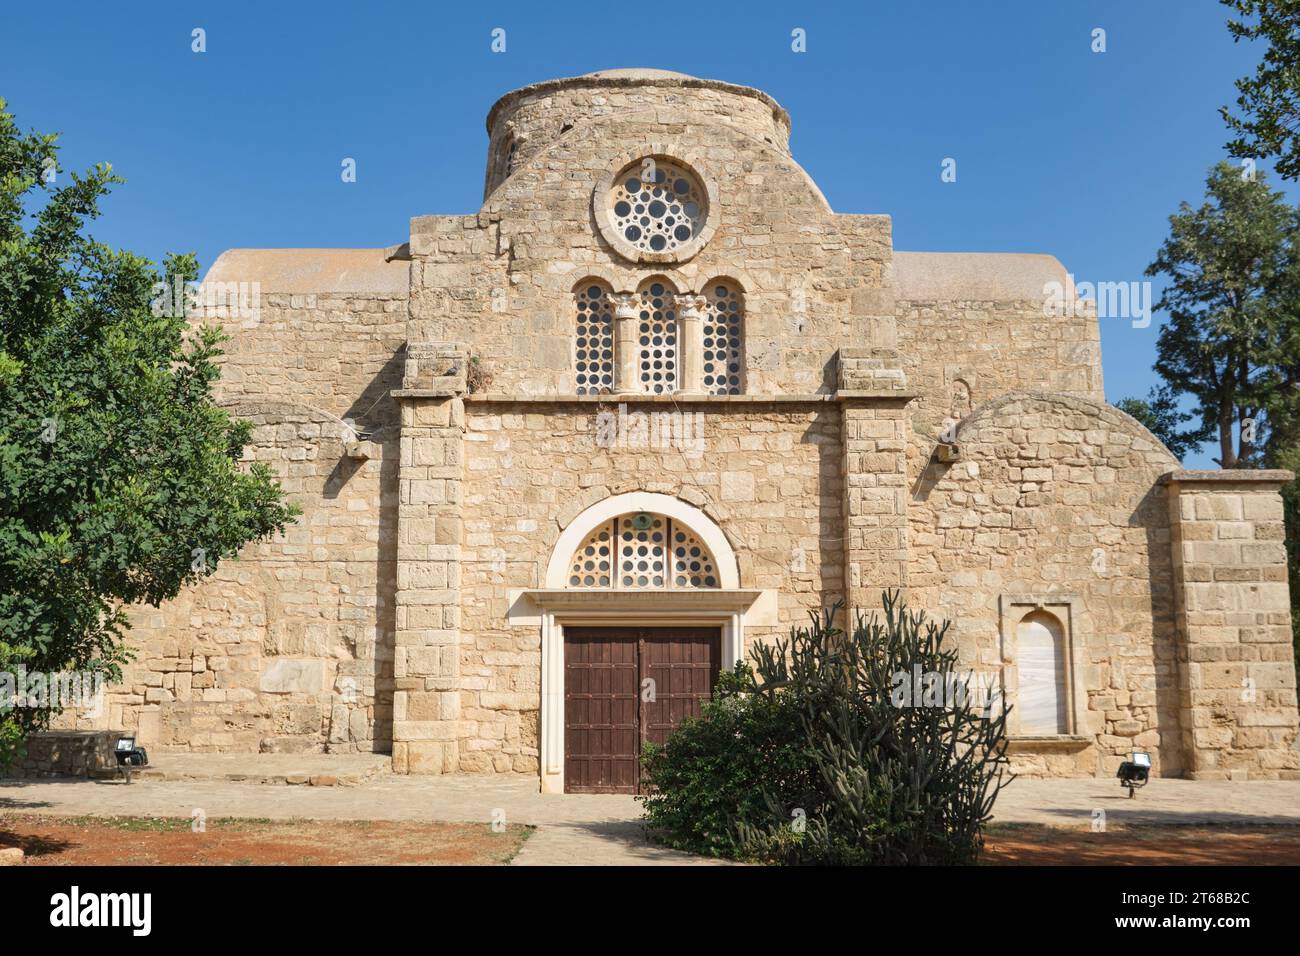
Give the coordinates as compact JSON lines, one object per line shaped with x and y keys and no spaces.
{"x":875,"y":427}
{"x":1236,"y":670}
{"x":426,"y":698}
{"x":627,"y":310}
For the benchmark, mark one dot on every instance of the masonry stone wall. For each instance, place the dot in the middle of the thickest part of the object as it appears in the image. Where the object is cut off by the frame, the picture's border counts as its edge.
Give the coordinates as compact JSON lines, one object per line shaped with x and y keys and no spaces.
{"x":1058,"y":498}
{"x":767,"y":473}
{"x":525,"y":121}
{"x":960,"y":354}
{"x":502,"y":283}
{"x":333,"y":351}
{"x":912,"y":420}
{"x":289,"y":647}
{"x":1238,"y":688}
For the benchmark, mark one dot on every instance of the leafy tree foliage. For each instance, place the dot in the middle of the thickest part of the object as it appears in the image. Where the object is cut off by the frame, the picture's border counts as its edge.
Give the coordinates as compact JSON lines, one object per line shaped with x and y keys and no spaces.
{"x":120,"y":479}
{"x":714,"y":776}
{"x":1268,"y":119}
{"x":1160,"y":414}
{"x":1232,"y":341}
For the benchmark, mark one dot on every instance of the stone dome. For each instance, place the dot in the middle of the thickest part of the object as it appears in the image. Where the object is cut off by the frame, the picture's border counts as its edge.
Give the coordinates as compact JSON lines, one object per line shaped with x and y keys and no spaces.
{"x":526,"y":120}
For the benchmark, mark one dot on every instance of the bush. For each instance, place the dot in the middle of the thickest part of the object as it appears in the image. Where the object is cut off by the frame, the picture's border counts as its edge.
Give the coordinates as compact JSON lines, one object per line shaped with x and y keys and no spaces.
{"x":817,"y":756}
{"x":716,"y":771}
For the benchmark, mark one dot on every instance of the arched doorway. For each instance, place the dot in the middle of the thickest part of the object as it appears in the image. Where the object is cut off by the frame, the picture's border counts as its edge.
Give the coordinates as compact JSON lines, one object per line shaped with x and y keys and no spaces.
{"x":641,"y":611}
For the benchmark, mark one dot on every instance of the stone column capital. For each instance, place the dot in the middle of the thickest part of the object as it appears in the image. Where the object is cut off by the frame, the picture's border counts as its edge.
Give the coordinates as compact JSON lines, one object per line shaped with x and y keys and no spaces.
{"x":626,"y":305}
{"x":690,"y":306}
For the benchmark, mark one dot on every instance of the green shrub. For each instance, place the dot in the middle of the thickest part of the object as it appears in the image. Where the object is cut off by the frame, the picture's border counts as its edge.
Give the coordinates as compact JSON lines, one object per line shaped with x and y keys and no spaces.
{"x":814,"y":756}
{"x":716,"y":771}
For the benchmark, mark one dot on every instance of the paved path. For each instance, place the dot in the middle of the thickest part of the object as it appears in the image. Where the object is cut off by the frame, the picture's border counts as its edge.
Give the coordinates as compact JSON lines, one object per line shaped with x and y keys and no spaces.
{"x":602,"y":829}
{"x":571,"y":829}
{"x":1067,"y":803}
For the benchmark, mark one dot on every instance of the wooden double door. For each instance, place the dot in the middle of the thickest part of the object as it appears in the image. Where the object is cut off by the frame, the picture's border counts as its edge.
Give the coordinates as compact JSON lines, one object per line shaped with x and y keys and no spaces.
{"x":624,"y":686}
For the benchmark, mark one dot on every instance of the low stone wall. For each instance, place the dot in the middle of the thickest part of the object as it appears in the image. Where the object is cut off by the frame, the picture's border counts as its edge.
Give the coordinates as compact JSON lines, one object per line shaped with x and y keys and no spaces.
{"x":68,"y":753}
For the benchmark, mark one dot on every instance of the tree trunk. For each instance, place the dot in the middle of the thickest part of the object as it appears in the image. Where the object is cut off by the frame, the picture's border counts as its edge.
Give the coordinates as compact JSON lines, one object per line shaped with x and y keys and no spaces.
{"x":1227,"y":456}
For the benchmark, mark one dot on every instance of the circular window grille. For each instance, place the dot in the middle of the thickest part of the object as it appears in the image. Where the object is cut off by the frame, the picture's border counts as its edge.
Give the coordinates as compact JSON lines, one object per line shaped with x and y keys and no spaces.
{"x":692,"y":563}
{"x":657,"y":206}
{"x":722,"y":337}
{"x":636,"y":552}
{"x":592,"y":561}
{"x":594,"y":346}
{"x":642,"y":552}
{"x":657,"y":339}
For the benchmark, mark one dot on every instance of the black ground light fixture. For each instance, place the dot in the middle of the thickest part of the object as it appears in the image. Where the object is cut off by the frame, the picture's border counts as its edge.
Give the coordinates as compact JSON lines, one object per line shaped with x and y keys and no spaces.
{"x":129,"y":756}
{"x":1135,"y":771}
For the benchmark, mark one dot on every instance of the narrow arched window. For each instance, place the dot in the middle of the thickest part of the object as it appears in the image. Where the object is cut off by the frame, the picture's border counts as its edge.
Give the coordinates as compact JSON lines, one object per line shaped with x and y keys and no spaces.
{"x":724,"y":333}
{"x":657,"y":338}
{"x":593,"y":356}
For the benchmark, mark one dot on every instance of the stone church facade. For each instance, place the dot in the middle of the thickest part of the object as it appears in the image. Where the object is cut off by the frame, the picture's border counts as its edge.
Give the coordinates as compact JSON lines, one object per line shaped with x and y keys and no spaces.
{"x":656,"y":401}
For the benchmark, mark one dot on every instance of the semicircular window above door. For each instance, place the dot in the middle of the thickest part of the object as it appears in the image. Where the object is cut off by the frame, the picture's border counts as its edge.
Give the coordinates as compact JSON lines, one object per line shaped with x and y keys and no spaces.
{"x":643,"y":551}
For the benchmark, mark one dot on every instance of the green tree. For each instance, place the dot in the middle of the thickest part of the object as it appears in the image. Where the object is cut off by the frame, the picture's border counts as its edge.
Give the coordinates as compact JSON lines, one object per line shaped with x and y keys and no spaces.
{"x":1232,"y":298}
{"x":1268,"y":121}
{"x":1160,"y":414}
{"x":120,"y":479}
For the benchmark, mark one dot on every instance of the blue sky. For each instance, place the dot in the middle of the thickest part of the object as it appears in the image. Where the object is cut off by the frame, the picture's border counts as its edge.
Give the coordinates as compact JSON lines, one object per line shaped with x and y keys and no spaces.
{"x":1059,"y":150}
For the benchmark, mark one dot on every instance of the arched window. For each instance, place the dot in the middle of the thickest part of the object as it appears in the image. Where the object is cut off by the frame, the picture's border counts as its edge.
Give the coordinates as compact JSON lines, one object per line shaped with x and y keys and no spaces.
{"x":594,"y":342}
{"x":643,"y":551}
{"x":657,"y":337}
{"x":724,"y":324}
{"x":1041,"y":662}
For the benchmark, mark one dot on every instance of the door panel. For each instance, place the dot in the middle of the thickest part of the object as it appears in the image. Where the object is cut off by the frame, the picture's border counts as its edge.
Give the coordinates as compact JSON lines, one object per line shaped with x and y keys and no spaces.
{"x":623,"y":686}
{"x":683,"y":664}
{"x":601,"y":740}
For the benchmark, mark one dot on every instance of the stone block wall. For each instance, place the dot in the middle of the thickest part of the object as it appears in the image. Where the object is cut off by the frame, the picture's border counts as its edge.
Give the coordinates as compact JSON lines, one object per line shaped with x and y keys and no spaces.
{"x":767,"y":472}
{"x":1058,"y":499}
{"x":288,"y":648}
{"x":1238,"y":680}
{"x":68,"y":753}
{"x":502,"y":282}
{"x":875,"y":524}
{"x":337,"y":352}
{"x":525,"y":121}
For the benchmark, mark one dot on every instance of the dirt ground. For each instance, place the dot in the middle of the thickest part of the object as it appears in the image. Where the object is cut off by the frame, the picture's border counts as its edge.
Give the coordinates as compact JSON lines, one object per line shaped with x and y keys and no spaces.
{"x":150,"y":841}
{"x":153,"y":841}
{"x":1029,"y":845}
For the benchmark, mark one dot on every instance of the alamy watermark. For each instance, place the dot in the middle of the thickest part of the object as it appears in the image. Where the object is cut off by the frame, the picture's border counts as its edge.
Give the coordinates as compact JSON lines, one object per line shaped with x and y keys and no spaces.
{"x":82,"y":691}
{"x":667,"y":430}
{"x":218,"y":300}
{"x":951,"y":690}
{"x":1114,"y":300}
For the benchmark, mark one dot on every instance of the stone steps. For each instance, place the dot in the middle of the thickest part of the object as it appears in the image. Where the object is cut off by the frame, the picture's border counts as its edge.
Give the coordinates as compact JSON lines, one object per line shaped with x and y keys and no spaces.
{"x":314,"y":770}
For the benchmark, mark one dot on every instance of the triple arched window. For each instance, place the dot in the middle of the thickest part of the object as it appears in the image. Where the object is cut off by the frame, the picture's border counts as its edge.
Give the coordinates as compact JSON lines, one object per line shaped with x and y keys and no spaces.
{"x":659,"y":341}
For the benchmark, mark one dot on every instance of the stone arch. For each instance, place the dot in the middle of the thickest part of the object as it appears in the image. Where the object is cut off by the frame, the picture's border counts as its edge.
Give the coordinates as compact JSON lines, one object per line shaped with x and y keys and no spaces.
{"x":677,"y":509}
{"x":1105,"y":412}
{"x":959,"y":399}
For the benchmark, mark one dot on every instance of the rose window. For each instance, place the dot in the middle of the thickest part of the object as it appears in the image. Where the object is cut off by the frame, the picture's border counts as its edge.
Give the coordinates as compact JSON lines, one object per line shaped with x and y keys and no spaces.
{"x":657,"y":206}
